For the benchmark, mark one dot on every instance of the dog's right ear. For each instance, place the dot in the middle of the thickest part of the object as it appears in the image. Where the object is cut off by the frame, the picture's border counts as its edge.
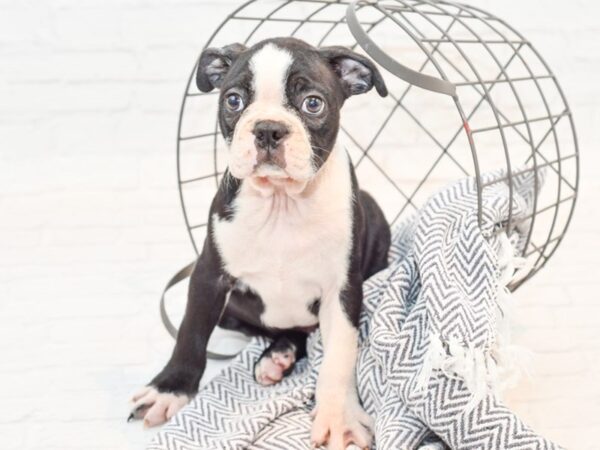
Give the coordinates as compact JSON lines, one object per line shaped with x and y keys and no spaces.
{"x":214,"y":64}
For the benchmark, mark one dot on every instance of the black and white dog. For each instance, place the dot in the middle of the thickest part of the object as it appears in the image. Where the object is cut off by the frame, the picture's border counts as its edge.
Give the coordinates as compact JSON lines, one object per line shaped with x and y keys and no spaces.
{"x":290,"y":235}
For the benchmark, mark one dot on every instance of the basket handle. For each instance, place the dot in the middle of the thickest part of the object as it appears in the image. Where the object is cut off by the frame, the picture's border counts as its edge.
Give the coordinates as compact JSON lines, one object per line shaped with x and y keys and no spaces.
{"x":390,"y":64}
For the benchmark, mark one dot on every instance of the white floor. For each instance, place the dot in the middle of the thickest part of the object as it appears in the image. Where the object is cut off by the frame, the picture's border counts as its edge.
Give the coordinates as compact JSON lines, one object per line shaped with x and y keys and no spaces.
{"x":76,"y":341}
{"x":80,"y":330}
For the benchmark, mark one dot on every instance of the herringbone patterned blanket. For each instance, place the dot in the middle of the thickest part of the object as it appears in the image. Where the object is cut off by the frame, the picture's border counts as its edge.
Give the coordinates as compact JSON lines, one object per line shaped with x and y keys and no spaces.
{"x":432,"y":351}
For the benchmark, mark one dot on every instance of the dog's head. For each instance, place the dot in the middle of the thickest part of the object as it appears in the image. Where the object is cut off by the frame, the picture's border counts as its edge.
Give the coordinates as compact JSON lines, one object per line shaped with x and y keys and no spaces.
{"x":279,"y":105}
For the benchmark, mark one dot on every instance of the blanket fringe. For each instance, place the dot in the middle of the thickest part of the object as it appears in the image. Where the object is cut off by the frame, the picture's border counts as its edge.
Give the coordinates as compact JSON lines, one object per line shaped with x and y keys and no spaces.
{"x":457,"y":361}
{"x":483,"y":370}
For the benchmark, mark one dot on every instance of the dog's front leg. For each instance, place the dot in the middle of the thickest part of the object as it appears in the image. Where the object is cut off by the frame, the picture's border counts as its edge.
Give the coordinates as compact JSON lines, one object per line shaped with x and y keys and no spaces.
{"x":175,"y":385}
{"x":339,"y":419}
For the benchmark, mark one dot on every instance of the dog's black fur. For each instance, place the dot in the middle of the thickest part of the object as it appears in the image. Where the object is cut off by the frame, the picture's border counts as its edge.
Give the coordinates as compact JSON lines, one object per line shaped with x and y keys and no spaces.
{"x":210,"y":283}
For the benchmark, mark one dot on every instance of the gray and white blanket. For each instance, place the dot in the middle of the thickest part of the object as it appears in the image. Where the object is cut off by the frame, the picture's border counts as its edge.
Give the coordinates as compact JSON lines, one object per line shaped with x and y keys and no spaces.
{"x":432,"y":350}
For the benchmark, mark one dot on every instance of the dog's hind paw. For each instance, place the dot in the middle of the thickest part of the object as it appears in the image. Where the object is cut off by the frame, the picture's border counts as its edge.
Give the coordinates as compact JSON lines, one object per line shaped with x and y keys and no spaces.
{"x":154,"y":407}
{"x":273,"y":366}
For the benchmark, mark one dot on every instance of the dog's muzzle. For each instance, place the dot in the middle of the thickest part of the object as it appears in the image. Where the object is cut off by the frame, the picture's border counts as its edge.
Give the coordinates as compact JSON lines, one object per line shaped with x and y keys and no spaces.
{"x":269,"y":139}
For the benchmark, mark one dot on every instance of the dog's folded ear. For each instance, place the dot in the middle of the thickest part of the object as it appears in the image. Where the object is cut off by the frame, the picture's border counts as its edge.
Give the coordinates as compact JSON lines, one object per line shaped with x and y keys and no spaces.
{"x":214,"y":64}
{"x":357,"y":73}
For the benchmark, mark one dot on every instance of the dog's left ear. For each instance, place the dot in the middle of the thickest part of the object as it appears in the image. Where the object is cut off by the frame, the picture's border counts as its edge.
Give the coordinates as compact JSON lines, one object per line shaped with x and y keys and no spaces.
{"x":214,"y":64}
{"x":357,"y":73}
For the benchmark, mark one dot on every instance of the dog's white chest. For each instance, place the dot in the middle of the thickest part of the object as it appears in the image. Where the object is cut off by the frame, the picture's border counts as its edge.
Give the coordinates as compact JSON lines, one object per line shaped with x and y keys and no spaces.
{"x":291,"y":252}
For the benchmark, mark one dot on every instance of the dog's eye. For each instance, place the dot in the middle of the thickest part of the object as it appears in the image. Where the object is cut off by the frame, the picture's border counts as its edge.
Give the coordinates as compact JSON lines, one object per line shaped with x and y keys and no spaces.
{"x":313,"y":105}
{"x":234,"y":102}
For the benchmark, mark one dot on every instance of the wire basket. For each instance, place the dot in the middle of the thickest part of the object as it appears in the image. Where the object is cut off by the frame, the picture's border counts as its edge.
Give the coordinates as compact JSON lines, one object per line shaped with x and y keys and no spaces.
{"x":468,"y":95}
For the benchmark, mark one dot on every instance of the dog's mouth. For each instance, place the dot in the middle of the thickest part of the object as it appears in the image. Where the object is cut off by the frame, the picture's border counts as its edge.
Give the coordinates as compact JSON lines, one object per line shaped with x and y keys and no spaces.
{"x":269,"y":178}
{"x":272,"y":182}
{"x":270,"y":173}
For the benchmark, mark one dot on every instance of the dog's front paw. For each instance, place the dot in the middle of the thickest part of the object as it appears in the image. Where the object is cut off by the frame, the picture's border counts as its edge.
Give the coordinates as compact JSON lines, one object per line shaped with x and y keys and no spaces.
{"x":274,"y":365}
{"x":341,"y":425}
{"x":156,"y":407}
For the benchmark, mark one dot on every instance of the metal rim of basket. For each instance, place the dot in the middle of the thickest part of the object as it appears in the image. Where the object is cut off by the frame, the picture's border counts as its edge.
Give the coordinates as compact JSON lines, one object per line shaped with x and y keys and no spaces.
{"x":390,"y":10}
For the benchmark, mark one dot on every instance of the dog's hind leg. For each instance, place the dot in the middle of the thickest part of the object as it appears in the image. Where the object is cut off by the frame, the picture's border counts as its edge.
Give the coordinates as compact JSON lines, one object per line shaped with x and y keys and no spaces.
{"x":376,"y":237}
{"x":279,"y":359}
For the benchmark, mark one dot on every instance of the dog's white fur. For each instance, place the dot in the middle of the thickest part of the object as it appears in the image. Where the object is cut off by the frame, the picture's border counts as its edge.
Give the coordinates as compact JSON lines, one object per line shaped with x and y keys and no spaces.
{"x":270,"y":66}
{"x":291,"y":250}
{"x":290,"y":240}
{"x":164,"y":405}
{"x":290,"y":247}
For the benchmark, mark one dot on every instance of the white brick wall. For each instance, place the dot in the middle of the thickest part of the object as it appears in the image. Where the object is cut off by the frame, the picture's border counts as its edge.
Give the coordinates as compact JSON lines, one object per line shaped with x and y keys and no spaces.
{"x":90,"y":224}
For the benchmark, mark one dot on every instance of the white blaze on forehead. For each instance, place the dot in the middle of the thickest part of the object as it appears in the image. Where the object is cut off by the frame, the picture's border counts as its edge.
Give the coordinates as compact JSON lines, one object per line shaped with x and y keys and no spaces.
{"x":270,"y":66}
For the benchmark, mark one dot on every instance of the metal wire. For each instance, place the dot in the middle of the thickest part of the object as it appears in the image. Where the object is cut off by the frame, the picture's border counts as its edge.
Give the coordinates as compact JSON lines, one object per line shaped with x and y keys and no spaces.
{"x":446,"y":35}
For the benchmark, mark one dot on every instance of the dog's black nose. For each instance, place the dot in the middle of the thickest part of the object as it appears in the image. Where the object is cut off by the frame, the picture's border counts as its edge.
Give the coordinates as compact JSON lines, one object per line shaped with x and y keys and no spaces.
{"x":269,"y":133}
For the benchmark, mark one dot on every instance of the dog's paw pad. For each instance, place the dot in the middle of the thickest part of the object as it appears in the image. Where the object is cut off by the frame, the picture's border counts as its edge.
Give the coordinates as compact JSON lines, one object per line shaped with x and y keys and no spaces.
{"x":155,"y":407}
{"x":273,"y":366}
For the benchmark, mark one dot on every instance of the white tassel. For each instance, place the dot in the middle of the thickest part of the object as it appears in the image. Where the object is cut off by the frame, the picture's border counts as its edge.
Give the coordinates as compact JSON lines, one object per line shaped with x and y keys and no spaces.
{"x":482,"y":370}
{"x":433,"y":360}
{"x":510,"y":362}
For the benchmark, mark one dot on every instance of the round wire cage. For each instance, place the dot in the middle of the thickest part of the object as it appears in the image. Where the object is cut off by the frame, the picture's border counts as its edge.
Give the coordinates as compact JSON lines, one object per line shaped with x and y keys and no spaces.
{"x":468,"y":95}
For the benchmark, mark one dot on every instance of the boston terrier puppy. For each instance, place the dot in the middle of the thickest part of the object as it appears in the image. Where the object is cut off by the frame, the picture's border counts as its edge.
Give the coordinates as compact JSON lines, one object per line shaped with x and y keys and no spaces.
{"x":290,"y":236}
